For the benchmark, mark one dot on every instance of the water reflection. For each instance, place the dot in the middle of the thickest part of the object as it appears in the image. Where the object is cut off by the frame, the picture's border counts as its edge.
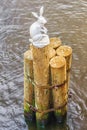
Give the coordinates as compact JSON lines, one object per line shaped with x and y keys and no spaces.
{"x":53,"y":126}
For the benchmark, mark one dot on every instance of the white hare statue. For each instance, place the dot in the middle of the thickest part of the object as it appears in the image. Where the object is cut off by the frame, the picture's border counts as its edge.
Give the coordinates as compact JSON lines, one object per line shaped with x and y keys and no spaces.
{"x":38,"y":32}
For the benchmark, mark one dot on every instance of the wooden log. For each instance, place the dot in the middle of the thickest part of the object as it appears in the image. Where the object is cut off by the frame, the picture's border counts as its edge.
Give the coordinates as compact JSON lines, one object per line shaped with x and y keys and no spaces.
{"x":55,"y":42}
{"x":59,"y":93}
{"x":41,"y":79}
{"x":66,"y":52}
{"x":51,"y":52}
{"x":41,"y":65}
{"x":28,"y":86}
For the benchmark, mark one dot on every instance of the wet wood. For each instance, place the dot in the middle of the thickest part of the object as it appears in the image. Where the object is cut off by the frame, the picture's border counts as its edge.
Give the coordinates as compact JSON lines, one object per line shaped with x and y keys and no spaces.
{"x":58,"y":77}
{"x":28,"y":87}
{"x":66,"y":52}
{"x":55,"y":42}
{"x":51,"y":52}
{"x":41,"y":79}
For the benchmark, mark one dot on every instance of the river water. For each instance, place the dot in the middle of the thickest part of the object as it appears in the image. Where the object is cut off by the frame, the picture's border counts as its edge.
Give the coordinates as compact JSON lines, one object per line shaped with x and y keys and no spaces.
{"x":67,"y":19}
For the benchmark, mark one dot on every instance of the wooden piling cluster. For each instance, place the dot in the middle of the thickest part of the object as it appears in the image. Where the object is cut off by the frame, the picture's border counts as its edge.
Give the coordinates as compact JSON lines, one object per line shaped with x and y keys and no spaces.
{"x":46,"y":81}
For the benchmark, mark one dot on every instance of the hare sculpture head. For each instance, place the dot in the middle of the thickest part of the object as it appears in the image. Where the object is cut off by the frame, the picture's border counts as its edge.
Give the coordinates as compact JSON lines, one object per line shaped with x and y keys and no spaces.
{"x":40,"y":17}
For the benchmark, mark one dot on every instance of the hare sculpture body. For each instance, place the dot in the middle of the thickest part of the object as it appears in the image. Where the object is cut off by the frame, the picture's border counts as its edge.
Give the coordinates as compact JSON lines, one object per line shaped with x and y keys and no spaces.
{"x":38,"y":32}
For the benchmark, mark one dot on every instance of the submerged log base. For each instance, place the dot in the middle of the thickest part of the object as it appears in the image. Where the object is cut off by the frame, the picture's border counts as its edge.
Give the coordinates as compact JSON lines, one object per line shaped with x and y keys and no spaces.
{"x":58,"y":76}
{"x":42,"y":123}
{"x":42,"y":104}
{"x":66,"y":52}
{"x":28,"y":87}
{"x":61,"y":118}
{"x":41,"y":79}
{"x":55,"y":42}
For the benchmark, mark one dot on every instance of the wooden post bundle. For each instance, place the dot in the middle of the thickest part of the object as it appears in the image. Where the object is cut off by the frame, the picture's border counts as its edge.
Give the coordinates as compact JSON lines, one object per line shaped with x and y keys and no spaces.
{"x":58,"y":77}
{"x":41,"y":79}
{"x":66,"y":52}
{"x":28,"y":87}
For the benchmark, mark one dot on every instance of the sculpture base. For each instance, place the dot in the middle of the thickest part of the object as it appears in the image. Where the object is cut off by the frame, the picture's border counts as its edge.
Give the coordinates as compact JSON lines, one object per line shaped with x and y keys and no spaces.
{"x":42,"y":42}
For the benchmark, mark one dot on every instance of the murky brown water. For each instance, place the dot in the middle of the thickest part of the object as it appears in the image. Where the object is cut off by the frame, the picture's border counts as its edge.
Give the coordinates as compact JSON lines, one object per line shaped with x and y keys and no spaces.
{"x":66,"y":19}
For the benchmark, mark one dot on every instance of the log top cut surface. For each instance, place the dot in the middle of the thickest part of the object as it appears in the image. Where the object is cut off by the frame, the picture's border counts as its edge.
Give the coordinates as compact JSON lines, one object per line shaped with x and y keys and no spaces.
{"x":55,"y":42}
{"x":64,"y":51}
{"x":51,"y":52}
{"x":57,"y":62}
{"x":28,"y":55}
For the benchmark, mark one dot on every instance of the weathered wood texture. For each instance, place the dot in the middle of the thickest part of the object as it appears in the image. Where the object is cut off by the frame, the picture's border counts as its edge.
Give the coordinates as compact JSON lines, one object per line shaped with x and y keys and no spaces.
{"x":66,"y":52}
{"x":58,"y":77}
{"x":41,"y":79}
{"x":28,"y":87}
{"x":55,"y":42}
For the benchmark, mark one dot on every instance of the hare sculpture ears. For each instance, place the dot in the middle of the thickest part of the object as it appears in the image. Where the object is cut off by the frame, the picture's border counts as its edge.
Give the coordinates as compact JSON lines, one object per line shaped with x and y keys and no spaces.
{"x":41,"y":12}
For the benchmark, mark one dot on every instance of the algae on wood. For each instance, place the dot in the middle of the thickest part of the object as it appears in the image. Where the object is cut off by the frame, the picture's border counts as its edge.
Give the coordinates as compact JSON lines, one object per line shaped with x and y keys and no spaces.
{"x":41,"y":79}
{"x":28,"y":87}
